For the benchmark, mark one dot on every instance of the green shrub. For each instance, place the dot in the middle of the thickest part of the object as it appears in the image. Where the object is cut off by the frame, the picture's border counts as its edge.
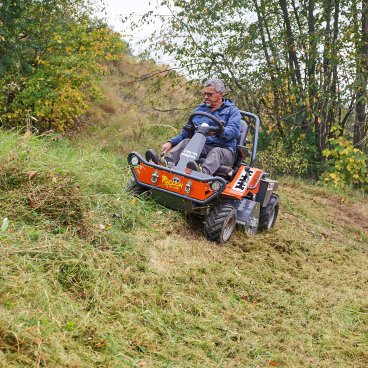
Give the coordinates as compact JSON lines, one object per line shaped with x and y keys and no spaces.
{"x":51,"y":61}
{"x":345,"y":165}
{"x":276,"y":160}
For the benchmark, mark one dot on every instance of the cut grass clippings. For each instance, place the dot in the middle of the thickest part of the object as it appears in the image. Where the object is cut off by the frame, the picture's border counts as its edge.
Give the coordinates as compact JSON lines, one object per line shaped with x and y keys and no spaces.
{"x":93,"y":277}
{"x":140,"y":286}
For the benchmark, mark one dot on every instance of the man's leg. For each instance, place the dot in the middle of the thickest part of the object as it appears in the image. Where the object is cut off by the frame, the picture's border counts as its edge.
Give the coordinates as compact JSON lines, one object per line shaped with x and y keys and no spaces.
{"x":174,"y":154}
{"x":215,"y":158}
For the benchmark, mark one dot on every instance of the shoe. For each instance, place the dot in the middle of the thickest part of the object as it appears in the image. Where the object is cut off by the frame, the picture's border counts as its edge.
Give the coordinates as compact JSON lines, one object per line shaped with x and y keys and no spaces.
{"x":151,"y":155}
{"x":193,"y":165}
{"x":167,"y":161}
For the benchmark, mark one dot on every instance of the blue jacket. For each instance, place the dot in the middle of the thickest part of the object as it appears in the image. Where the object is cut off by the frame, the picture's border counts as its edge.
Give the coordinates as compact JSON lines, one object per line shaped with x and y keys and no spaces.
{"x":228,"y":113}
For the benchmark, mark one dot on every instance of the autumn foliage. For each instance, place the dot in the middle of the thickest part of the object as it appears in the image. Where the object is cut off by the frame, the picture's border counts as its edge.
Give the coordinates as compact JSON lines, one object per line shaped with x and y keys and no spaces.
{"x":51,"y":54}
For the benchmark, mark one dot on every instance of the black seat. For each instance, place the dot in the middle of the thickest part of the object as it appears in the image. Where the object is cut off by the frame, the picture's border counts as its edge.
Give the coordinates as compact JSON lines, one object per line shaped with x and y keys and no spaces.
{"x":243,"y":133}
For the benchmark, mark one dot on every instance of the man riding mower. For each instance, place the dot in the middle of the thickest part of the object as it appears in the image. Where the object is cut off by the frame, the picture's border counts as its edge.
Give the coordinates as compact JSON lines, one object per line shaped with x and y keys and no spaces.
{"x":204,"y":171}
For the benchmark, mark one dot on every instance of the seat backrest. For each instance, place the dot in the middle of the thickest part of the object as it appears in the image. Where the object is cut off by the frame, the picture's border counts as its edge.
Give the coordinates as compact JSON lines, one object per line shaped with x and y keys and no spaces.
{"x":240,"y":140}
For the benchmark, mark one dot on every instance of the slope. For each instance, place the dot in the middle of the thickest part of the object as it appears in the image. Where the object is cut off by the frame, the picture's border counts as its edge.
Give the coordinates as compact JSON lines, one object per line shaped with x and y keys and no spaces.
{"x":91,"y":277}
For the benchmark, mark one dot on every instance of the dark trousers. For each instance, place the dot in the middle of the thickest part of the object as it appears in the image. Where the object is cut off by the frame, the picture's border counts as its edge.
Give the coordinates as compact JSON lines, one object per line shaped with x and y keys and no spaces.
{"x":214,"y":156}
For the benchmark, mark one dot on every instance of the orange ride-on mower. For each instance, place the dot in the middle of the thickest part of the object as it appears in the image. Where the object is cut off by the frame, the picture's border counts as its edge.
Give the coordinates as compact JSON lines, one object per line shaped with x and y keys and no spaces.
{"x":241,"y":194}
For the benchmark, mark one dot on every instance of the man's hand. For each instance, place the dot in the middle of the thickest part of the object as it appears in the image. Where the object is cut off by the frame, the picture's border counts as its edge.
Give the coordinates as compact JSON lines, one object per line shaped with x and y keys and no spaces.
{"x":215,"y":131}
{"x":166,"y":147}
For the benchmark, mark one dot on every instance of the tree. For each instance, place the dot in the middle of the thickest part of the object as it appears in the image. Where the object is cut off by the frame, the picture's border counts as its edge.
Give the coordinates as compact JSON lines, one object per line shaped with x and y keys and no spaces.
{"x":290,"y":61}
{"x":50,"y":54}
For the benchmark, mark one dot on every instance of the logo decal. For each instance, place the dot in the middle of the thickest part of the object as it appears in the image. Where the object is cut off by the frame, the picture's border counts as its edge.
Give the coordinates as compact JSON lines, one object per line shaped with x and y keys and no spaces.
{"x":175,"y":183}
{"x":189,"y":154}
{"x":241,"y":183}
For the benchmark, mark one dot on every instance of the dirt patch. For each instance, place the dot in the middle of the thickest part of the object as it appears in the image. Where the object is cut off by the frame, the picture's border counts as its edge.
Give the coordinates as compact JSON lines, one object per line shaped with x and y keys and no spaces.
{"x":345,"y":213}
{"x":356,"y":215}
{"x":338,"y":208}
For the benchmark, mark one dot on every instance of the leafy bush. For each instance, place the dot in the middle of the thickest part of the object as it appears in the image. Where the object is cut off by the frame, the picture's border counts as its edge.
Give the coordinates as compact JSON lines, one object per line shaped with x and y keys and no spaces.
{"x":276,"y":160}
{"x":345,"y":164}
{"x":52,"y":59}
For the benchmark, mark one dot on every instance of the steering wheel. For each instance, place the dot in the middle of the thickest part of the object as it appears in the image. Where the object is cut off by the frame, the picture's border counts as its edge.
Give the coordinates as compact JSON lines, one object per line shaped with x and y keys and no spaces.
{"x":219,"y":122}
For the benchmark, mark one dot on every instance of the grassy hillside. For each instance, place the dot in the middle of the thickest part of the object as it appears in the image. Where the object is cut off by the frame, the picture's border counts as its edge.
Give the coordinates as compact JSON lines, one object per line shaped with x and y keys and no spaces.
{"x":143,"y":106}
{"x":91,"y":277}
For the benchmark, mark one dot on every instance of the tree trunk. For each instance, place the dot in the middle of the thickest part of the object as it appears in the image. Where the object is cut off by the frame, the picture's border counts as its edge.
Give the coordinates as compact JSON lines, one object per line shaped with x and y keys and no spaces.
{"x":311,"y":69}
{"x":333,"y":93}
{"x":271,"y":67}
{"x":299,"y":112}
{"x":325,"y":106}
{"x":293,"y":58}
{"x":360,"y":125}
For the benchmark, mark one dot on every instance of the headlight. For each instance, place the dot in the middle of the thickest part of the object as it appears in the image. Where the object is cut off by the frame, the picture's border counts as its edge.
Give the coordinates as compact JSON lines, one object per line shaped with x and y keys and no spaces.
{"x":216,"y":186}
{"x":134,"y":161}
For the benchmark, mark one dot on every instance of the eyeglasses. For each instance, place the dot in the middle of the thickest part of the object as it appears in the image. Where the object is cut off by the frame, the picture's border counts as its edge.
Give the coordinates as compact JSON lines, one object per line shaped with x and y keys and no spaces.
{"x":209,"y":94}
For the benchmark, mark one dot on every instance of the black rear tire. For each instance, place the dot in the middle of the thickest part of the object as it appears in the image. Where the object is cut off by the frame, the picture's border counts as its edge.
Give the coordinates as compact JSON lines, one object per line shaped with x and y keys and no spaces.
{"x":268,"y":214}
{"x":134,"y":188}
{"x":220,"y":223}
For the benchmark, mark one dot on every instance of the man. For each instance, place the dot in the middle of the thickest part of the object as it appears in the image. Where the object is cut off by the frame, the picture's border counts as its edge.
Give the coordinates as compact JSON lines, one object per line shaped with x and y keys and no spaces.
{"x":219,"y":149}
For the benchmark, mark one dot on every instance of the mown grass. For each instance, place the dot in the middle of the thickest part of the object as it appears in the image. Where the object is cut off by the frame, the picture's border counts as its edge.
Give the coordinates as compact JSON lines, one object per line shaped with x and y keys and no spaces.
{"x":139,"y":286}
{"x":92,"y":277}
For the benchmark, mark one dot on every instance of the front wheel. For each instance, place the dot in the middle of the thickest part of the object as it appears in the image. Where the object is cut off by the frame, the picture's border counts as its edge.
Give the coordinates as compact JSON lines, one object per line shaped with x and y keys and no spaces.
{"x":134,"y":188}
{"x":268,"y":214}
{"x":220,"y":223}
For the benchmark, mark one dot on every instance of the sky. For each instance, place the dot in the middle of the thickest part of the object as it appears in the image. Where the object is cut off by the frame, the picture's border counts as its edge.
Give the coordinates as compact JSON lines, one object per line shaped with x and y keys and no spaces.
{"x":116,"y":9}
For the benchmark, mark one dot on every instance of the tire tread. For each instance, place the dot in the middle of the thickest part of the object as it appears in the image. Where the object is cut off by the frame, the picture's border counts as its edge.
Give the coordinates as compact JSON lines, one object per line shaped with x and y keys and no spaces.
{"x":215,"y":220}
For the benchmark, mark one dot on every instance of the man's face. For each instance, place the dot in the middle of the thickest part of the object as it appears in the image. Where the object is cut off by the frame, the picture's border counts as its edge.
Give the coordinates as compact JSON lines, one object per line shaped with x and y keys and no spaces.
{"x":212,"y":98}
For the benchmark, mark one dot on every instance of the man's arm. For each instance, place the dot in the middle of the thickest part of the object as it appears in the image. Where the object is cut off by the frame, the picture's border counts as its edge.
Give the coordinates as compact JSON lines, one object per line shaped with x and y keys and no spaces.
{"x":183,"y":135}
{"x":176,"y":140}
{"x":232,"y":128}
